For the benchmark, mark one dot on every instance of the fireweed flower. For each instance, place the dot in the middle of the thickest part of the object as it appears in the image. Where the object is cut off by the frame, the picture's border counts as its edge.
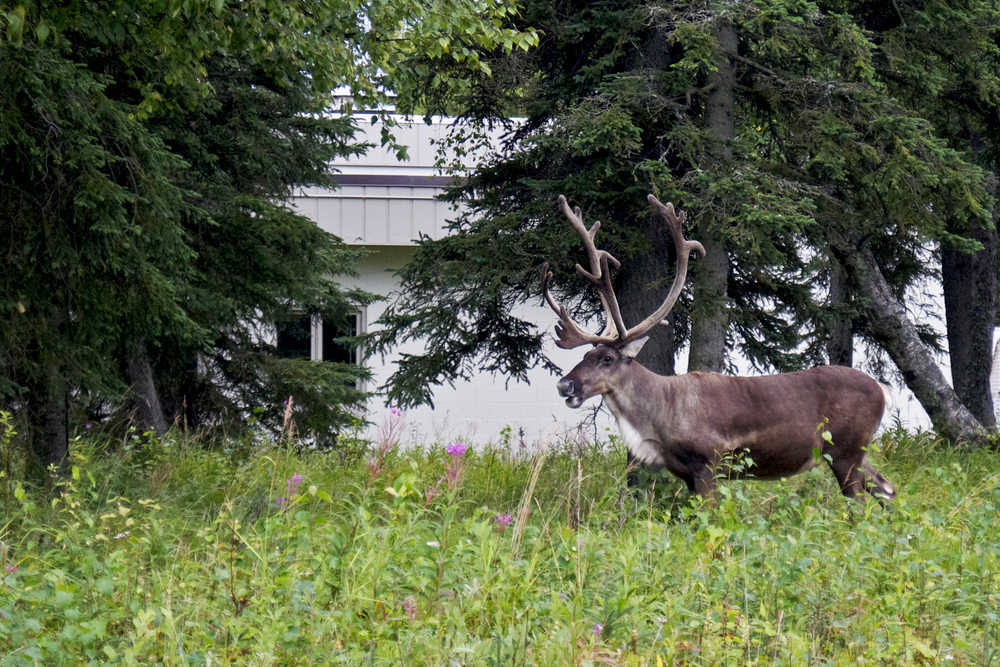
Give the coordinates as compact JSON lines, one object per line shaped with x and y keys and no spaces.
{"x":409,"y":605}
{"x":453,"y":470}
{"x":388,"y":436}
{"x":11,"y":569}
{"x":504,"y":520}
{"x":597,"y":630}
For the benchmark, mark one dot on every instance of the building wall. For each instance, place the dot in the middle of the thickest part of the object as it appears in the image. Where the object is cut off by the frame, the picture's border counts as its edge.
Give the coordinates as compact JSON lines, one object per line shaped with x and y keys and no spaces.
{"x":995,"y":375}
{"x":478,"y":410}
{"x":374,"y":214}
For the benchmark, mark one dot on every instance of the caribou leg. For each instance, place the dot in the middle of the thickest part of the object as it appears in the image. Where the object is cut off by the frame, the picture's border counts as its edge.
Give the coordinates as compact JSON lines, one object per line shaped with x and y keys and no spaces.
{"x":855,"y":474}
{"x":631,"y":471}
{"x":876,"y":483}
{"x":703,"y":483}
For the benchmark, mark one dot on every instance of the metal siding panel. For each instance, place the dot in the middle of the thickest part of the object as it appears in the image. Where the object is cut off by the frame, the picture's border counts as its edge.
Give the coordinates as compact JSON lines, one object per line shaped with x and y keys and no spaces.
{"x":328,"y":215}
{"x":352,"y":220}
{"x":423,"y":152}
{"x":425,"y":219}
{"x":443,"y":212}
{"x":305,"y":206}
{"x":400,"y":221}
{"x":376,"y":221}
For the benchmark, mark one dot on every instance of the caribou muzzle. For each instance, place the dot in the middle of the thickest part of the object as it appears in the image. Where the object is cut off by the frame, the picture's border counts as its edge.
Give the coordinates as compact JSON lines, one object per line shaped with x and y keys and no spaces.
{"x":570,"y":390}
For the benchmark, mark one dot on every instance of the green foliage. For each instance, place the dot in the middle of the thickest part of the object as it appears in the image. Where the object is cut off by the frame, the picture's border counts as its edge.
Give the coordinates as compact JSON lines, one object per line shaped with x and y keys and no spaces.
{"x":169,"y":552}
{"x":835,"y":128}
{"x":149,"y":149}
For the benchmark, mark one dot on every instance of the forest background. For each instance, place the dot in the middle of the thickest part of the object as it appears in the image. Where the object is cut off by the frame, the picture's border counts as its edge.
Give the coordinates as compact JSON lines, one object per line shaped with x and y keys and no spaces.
{"x":834,"y":157}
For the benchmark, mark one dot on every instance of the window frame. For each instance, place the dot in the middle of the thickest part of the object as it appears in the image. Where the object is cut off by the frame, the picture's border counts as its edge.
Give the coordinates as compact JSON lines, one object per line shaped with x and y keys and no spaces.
{"x":316,"y":339}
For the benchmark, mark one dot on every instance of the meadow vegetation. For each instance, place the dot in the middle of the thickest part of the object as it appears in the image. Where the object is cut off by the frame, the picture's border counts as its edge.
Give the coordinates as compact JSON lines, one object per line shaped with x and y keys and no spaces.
{"x":171,"y":551}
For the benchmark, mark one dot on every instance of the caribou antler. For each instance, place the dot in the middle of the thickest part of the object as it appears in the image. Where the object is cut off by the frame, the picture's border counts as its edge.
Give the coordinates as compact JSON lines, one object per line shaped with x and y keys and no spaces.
{"x":568,"y":333}
{"x":684,"y":247}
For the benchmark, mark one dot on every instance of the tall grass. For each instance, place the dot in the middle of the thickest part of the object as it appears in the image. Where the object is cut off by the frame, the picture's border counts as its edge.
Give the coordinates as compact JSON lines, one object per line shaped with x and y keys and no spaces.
{"x":166,"y":552}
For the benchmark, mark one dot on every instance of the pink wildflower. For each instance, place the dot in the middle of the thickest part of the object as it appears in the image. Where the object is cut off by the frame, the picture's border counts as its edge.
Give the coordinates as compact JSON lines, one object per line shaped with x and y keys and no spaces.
{"x":11,"y":569}
{"x":409,"y":605}
{"x":456,"y":449}
{"x":504,"y":519}
{"x":432,"y":492}
{"x":388,"y":436}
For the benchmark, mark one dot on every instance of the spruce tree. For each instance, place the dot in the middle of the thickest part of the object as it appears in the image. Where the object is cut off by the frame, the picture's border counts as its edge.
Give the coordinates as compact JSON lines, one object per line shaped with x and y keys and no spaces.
{"x":770,"y":122}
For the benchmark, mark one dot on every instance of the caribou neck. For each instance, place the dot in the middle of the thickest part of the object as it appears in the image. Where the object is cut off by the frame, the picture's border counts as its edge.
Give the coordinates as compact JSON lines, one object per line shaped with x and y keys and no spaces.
{"x":626,"y":400}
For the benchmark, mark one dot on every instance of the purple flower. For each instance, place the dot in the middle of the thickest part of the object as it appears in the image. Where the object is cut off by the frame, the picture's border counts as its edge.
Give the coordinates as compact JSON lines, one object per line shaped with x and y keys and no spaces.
{"x":395,"y":412}
{"x":292,"y":489}
{"x":597,"y":629}
{"x":504,"y":519}
{"x":409,"y":605}
{"x":11,"y":569}
{"x":456,"y":449}
{"x":87,"y":426}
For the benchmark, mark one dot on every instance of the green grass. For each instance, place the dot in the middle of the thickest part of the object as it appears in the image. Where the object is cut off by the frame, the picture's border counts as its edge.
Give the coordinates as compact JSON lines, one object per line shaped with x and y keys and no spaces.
{"x":167,"y":552}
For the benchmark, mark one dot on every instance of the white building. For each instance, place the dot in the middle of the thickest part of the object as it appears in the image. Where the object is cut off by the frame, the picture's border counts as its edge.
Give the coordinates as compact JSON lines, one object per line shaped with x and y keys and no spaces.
{"x":384,"y":204}
{"x":995,"y":374}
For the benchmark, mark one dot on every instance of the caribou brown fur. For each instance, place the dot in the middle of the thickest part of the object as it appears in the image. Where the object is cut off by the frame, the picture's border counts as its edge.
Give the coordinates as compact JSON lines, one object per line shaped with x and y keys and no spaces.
{"x":694,"y":424}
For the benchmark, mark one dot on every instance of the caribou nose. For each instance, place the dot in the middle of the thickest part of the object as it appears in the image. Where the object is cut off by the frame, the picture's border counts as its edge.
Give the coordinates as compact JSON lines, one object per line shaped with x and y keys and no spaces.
{"x":566,"y":387}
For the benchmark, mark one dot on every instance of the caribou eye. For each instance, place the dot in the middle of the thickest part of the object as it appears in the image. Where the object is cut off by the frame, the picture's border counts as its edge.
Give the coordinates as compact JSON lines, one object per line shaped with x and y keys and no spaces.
{"x":607,"y":360}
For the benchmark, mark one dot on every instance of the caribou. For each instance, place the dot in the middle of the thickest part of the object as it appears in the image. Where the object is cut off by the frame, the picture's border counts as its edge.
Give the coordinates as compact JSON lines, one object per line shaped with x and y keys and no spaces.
{"x":696,"y":424}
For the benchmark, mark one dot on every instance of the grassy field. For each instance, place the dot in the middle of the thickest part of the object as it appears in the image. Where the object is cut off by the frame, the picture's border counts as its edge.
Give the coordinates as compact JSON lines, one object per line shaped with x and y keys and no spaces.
{"x":171,"y":552}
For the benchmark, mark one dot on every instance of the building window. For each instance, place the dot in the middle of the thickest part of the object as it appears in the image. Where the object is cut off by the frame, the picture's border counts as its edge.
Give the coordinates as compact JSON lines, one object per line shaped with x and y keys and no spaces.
{"x":312,"y":337}
{"x":295,"y":338}
{"x":334,"y":350}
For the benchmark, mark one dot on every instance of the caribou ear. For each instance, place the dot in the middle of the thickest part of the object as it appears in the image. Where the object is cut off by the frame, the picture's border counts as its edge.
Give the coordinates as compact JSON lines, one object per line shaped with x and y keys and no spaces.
{"x":632,"y":348}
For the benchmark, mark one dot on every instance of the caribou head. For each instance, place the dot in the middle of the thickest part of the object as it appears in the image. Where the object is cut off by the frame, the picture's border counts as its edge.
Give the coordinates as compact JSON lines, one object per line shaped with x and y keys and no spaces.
{"x":616,"y":346}
{"x":693,"y":424}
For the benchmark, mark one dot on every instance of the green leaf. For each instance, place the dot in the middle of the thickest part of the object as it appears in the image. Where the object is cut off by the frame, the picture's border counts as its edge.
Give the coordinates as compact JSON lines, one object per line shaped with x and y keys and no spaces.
{"x":15,"y":25}
{"x":62,"y":598}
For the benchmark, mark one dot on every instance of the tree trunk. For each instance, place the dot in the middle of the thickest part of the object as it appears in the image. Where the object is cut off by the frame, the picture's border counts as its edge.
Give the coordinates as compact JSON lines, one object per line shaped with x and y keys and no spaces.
{"x":643,"y":283}
{"x":48,"y":415}
{"x":840,"y":338}
{"x":144,"y":398}
{"x":886,"y":321}
{"x":709,"y":317}
{"x":969,"y":282}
